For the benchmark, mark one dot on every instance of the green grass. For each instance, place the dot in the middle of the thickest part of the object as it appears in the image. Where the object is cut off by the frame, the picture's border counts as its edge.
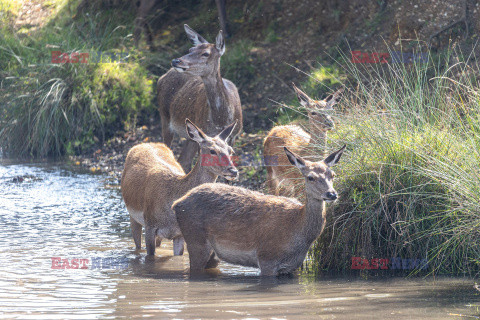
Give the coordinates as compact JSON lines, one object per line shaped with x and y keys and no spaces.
{"x":410,"y":182}
{"x":52,"y":109}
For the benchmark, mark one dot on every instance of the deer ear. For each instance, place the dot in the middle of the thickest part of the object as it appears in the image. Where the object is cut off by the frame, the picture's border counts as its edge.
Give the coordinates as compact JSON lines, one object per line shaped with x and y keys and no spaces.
{"x":333,"y":99}
{"x":194,"y":36}
{"x":294,"y":159}
{"x":332,"y":159}
{"x":220,"y":43}
{"x":225,"y":134}
{"x":194,"y":132}
{"x":302,"y":96}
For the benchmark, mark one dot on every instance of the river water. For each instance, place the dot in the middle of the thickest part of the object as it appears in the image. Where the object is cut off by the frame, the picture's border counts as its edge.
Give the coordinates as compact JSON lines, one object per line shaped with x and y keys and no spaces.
{"x":52,"y":211}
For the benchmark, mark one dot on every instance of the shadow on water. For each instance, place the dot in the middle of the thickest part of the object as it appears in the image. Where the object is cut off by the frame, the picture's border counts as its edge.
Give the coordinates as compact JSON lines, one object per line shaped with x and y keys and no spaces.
{"x":48,"y":210}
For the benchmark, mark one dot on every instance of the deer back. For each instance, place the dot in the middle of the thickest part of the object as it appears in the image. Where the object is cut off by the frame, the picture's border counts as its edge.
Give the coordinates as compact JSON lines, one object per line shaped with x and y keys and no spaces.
{"x":225,"y":214}
{"x":282,"y":177}
{"x":149,"y":168}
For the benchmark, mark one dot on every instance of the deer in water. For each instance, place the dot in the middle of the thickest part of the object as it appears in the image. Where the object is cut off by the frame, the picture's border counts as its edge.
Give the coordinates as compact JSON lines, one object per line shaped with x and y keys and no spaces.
{"x":152,"y":179}
{"x":194,"y":89}
{"x":282,"y":178}
{"x":252,"y":229}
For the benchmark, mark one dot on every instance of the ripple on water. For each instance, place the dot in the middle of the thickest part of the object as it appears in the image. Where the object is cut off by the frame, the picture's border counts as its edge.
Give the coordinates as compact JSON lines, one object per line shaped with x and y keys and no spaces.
{"x":61,"y":213}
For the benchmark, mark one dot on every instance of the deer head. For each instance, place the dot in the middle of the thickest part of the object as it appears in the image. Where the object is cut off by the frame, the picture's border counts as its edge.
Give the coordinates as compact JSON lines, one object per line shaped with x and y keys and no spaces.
{"x":215,"y":153}
{"x":204,"y":58}
{"x":318,"y":109}
{"x":318,"y":175}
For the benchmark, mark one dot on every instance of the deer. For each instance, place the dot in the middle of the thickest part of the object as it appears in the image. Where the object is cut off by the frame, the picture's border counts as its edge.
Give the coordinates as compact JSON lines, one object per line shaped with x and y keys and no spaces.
{"x":249,"y":228}
{"x":152,"y":179}
{"x":193,"y":88}
{"x":282,"y":178}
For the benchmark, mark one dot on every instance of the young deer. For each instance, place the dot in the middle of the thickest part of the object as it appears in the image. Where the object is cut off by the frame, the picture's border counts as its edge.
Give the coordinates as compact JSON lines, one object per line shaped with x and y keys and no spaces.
{"x":253,"y":229}
{"x":152,"y":179}
{"x":194,"y":89}
{"x":282,"y":179}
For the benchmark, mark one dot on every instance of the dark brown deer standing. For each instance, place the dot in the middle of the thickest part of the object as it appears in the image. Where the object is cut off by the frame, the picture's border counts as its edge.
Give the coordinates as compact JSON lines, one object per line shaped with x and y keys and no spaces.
{"x":282,"y":178}
{"x":152,"y":179}
{"x":194,"y":89}
{"x":253,"y":229}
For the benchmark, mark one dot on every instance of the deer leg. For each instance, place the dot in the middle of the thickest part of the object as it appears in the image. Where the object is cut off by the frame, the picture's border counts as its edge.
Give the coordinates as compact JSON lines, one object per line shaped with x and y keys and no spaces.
{"x":136,"y":233}
{"x":178,"y":246}
{"x":271,"y":185}
{"x":167,"y":134}
{"x":186,"y":157}
{"x":150,"y":235}
{"x":199,"y":256}
{"x":267,"y":269}
{"x":212,"y":262}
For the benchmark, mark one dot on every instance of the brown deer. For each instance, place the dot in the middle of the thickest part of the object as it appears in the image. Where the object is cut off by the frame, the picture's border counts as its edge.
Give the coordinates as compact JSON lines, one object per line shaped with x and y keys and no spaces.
{"x":252,"y":229}
{"x":194,"y":89}
{"x":152,"y":179}
{"x":282,"y":178}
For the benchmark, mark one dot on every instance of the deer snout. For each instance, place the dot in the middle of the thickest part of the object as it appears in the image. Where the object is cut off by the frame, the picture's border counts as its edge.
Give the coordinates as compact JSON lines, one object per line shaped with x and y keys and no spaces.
{"x":231,"y":173}
{"x":331,"y":196}
{"x":178,"y":65}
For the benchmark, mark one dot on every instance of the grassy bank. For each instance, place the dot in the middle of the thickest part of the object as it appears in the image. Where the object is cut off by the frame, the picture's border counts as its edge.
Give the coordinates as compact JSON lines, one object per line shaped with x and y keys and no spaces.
{"x":51,"y":109}
{"x":410,"y":182}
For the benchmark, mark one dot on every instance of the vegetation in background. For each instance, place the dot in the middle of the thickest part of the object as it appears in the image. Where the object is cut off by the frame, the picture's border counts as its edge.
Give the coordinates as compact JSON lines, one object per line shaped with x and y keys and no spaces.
{"x":64,"y":108}
{"x":410,"y":182}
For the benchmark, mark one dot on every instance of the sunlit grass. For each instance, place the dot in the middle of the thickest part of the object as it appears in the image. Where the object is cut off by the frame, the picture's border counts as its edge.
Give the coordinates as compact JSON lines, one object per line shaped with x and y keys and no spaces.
{"x":54,"y":108}
{"x":410,"y":182}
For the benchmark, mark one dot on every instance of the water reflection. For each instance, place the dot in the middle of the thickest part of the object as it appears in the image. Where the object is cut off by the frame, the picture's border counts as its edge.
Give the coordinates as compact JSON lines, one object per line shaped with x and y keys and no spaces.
{"x":56,"y":212}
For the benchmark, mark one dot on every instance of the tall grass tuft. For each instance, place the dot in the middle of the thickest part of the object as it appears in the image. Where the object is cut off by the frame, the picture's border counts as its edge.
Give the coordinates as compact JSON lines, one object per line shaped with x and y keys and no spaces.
{"x":51,"y":109}
{"x":410,"y":182}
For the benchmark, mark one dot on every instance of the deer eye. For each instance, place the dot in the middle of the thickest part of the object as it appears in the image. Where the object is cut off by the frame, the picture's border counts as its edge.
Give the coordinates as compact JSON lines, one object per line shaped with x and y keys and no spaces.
{"x":212,"y":152}
{"x":313,"y":113}
{"x":310,"y":178}
{"x":206,"y":54}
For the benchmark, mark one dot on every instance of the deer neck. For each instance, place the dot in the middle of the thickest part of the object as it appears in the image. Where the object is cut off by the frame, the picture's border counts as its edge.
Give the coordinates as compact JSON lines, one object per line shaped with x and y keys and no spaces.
{"x":217,"y":97}
{"x":318,"y":136}
{"x":315,"y":217}
{"x":197,"y":176}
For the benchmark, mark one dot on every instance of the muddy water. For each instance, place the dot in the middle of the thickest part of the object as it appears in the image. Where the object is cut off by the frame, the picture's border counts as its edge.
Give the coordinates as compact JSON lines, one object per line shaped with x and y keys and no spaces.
{"x":53,"y":212}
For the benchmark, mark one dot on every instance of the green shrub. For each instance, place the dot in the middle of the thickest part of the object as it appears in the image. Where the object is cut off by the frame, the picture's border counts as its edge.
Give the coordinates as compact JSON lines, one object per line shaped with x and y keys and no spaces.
{"x":53,"y":109}
{"x":410,"y":182}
